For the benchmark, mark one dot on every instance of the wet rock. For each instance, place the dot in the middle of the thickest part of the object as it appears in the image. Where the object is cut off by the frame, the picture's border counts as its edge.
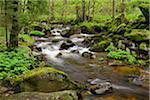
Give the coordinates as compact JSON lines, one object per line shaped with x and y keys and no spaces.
{"x":59,"y":54}
{"x":44,"y":79}
{"x":88,"y":55}
{"x":75,"y":51}
{"x":62,"y":95}
{"x":67,"y":44}
{"x":99,"y":86}
{"x":116,"y":63}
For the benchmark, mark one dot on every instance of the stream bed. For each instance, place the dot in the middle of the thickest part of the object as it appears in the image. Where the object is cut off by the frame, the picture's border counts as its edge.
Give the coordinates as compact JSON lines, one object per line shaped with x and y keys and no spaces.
{"x":73,"y":57}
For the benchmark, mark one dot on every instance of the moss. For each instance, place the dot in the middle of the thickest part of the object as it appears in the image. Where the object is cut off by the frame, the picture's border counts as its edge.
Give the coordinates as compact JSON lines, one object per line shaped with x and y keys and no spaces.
{"x":101,"y":46}
{"x":43,"y":79}
{"x":37,"y":33}
{"x":138,"y":35}
{"x":143,"y":46}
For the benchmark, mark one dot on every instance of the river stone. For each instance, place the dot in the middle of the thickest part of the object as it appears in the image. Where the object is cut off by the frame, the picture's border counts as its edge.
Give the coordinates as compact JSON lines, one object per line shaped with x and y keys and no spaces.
{"x":44,"y":79}
{"x":62,"y":95}
{"x":99,"y":86}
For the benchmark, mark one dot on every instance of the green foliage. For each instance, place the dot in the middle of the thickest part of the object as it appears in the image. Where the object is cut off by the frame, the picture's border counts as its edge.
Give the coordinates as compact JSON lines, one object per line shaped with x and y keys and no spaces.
{"x":16,"y":62}
{"x":122,"y":55}
{"x":37,"y":33}
{"x":110,"y":48}
{"x":141,"y":62}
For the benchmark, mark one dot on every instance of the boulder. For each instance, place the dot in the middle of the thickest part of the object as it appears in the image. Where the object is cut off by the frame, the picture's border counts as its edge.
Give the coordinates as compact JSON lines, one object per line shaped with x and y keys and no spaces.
{"x":101,"y":46}
{"x":62,"y":95}
{"x":44,"y":79}
{"x":66,"y":44}
{"x":99,"y":86}
{"x":145,"y":10}
{"x":88,"y":55}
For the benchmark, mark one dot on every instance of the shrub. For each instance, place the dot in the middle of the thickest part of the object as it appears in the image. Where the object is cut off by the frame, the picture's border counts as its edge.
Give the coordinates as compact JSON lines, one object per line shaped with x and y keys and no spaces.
{"x":122,"y":55}
{"x":26,"y":40}
{"x":16,"y":62}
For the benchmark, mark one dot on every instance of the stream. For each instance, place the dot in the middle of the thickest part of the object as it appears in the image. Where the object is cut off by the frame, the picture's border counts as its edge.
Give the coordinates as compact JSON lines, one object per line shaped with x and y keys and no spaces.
{"x":81,"y":65}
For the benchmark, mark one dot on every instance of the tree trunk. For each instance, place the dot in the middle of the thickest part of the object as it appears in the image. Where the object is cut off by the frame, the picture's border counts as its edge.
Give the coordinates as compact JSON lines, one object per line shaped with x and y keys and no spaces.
{"x":53,"y":9}
{"x":113,"y":9}
{"x":6,"y":30}
{"x":77,"y":13}
{"x":123,"y":8}
{"x":93,"y":11}
{"x":49,"y":10}
{"x":15,"y":25}
{"x":65,"y":8}
{"x":89,"y":9}
{"x":83,"y":11}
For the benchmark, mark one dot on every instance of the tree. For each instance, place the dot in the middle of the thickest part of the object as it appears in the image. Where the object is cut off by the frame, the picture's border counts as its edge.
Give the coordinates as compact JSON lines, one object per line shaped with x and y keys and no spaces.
{"x":123,"y":8}
{"x":53,"y":9}
{"x":77,"y":12}
{"x":89,"y":4}
{"x":6,"y":27}
{"x":15,"y":24}
{"x":93,"y":10}
{"x":83,"y":11}
{"x":113,"y":9}
{"x":65,"y":8}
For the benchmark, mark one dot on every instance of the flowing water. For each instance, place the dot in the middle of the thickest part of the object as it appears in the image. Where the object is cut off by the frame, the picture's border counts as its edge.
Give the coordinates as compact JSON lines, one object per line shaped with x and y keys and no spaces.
{"x":80,"y":69}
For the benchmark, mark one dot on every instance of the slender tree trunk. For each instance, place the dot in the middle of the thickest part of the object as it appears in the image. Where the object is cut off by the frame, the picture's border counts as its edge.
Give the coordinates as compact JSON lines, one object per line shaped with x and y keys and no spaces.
{"x":113,"y":9}
{"x":15,"y":25}
{"x":89,"y":4}
{"x":6,"y":30}
{"x":49,"y":10}
{"x":53,"y":9}
{"x":77,"y":12}
{"x":65,"y":8}
{"x":83,"y":11}
{"x":123,"y":8}
{"x":93,"y":10}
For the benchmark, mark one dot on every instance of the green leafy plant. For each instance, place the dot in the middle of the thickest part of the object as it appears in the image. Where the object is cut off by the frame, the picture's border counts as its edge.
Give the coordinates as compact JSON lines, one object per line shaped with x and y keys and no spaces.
{"x":16,"y":62}
{"x":122,"y":55}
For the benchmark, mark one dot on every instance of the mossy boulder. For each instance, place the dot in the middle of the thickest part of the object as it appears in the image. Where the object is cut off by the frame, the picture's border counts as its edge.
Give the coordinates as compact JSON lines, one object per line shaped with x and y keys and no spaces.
{"x":121,"y":29}
{"x":62,"y":95}
{"x":101,"y":46}
{"x":143,"y":46}
{"x":145,"y":8}
{"x":138,"y":35}
{"x":44,"y":79}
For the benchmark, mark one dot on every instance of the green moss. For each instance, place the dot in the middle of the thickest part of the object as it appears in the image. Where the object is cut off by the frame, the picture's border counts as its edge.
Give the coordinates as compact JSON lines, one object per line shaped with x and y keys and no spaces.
{"x":37,"y":33}
{"x":143,"y":46}
{"x":43,"y":79}
{"x":138,"y":35}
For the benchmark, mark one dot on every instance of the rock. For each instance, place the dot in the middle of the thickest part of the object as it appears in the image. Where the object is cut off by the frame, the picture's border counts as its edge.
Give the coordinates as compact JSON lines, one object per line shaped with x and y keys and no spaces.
{"x":59,"y":54}
{"x":87,"y":55}
{"x":61,"y":95}
{"x":145,"y":10}
{"x":143,"y":46}
{"x":138,"y":35}
{"x":44,"y":79}
{"x":101,"y":46}
{"x":116,"y":63}
{"x":99,"y":86}
{"x":67,"y":44}
{"x":75,"y":51}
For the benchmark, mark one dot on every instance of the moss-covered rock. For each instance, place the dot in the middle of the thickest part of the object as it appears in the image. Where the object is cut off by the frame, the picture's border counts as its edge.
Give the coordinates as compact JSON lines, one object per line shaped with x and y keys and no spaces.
{"x":44,"y":79}
{"x":145,"y":8}
{"x":101,"y":46}
{"x":138,"y":35}
{"x":121,"y":29}
{"x":143,"y":46}
{"x":62,"y":95}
